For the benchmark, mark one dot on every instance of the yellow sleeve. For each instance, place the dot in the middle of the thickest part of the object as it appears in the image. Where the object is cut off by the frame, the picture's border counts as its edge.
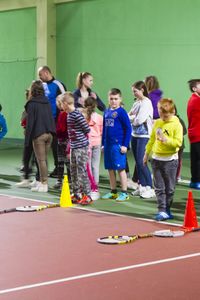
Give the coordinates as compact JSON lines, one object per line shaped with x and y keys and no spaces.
{"x":151,"y":141}
{"x":177,"y":139}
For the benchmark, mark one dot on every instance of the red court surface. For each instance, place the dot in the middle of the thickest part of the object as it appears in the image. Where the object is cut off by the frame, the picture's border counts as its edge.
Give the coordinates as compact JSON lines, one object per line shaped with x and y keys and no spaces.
{"x":53,"y":255}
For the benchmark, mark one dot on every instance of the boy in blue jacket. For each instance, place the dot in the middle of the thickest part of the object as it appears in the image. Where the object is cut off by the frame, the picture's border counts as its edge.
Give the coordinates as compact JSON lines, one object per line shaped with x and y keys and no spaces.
{"x":115,"y":141}
{"x":3,"y":125}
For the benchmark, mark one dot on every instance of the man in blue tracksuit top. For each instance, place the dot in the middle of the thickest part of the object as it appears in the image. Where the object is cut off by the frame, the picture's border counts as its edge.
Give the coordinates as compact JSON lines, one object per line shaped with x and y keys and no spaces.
{"x":52,"y":88}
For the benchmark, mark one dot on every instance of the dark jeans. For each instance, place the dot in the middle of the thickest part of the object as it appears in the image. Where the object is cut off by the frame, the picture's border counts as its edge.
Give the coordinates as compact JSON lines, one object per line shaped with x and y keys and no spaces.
{"x":27,"y":154}
{"x":138,"y":147}
{"x":164,"y":174}
{"x":63,"y":160}
{"x":195,"y":162}
{"x":54,"y":147}
{"x":180,"y":159}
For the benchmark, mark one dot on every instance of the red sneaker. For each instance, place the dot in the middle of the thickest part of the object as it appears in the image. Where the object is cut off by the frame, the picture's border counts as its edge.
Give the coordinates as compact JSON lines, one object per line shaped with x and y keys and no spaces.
{"x":75,"y":199}
{"x":85,"y":200}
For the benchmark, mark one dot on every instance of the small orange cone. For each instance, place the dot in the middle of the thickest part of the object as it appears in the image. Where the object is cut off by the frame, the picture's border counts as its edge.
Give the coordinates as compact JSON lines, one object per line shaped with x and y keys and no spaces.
{"x":65,"y":198}
{"x":190,"y":219}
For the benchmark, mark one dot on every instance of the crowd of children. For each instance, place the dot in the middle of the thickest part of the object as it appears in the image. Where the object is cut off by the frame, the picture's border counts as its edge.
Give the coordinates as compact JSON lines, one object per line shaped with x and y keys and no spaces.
{"x":151,"y":127}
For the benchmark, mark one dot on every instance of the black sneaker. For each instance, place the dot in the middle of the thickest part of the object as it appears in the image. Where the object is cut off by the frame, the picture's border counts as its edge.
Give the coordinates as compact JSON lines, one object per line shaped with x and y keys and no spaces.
{"x":57,"y":185}
{"x":54,"y":173}
{"x":22,"y":170}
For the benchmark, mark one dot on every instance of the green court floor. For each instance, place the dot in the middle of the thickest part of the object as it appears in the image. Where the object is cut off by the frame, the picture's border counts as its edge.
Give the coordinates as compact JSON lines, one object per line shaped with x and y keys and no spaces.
{"x":10,"y":162}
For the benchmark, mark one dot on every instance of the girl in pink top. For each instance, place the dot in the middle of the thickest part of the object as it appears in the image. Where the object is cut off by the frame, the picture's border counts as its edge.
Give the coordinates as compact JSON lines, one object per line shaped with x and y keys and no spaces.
{"x":95,"y":121}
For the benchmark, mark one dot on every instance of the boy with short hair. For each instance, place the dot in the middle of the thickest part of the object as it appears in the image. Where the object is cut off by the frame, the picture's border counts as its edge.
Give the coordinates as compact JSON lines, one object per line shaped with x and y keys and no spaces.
{"x":115,"y":141}
{"x":3,"y":125}
{"x":193,"y":114}
{"x":78,"y":129}
{"x":164,"y":143}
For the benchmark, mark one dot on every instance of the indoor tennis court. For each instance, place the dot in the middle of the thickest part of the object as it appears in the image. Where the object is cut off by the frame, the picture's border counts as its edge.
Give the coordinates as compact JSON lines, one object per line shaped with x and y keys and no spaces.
{"x":53,"y":253}
{"x":46,"y":253}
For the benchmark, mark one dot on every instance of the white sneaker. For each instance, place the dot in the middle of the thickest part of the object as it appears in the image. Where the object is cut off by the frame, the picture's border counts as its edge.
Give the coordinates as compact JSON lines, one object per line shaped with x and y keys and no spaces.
{"x":34,"y":183}
{"x":180,"y":180}
{"x":149,"y":193}
{"x":23,"y":184}
{"x":95,"y":195}
{"x":41,"y":188}
{"x":141,"y":189}
{"x":131,"y":184}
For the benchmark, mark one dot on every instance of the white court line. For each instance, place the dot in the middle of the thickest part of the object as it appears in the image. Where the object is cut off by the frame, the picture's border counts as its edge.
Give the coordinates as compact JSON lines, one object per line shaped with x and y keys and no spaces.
{"x":95,"y":211}
{"x":95,"y":274}
{"x":28,"y":199}
{"x":126,"y":216}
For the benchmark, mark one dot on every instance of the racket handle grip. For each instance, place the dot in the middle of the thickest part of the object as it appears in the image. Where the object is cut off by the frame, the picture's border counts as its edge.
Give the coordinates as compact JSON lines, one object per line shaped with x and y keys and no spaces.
{"x":4,"y":211}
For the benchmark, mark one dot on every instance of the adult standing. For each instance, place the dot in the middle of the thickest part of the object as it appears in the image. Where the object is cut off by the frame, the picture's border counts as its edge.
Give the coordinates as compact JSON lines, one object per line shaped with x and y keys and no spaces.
{"x":84,"y":84}
{"x":193,"y":114}
{"x":52,"y":88}
{"x":39,"y":129}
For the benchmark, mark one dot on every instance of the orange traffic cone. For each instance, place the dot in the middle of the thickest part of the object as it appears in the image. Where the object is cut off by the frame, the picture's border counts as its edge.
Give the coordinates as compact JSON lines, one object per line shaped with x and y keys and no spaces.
{"x":190,"y":219}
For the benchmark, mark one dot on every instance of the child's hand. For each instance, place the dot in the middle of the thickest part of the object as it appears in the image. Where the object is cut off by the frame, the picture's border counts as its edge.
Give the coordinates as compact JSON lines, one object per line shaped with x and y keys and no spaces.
{"x":160,"y":136}
{"x":123,"y":149}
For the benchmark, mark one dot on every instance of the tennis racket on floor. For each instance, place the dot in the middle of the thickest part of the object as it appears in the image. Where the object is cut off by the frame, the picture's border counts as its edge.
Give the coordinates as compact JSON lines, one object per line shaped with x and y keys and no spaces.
{"x":29,"y":208}
{"x":125,"y":239}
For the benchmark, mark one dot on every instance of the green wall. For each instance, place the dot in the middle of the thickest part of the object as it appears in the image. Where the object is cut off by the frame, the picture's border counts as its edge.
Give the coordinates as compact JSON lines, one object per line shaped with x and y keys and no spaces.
{"x":17,"y":63}
{"x":122,"y":41}
{"x":119,"y":41}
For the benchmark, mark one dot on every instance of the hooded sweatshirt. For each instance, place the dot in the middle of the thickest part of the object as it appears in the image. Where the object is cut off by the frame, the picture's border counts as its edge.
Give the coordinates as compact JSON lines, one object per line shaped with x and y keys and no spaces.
{"x":155,"y":96}
{"x":39,"y":118}
{"x":173,"y":131}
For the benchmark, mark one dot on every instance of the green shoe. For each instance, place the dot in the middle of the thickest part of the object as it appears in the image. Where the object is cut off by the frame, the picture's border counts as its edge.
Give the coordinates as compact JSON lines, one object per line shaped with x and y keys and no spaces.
{"x":122,"y":197}
{"x":110,"y":196}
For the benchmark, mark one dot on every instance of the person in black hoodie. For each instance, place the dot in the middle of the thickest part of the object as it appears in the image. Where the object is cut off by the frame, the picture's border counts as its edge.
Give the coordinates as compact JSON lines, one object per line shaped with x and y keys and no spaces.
{"x":84,"y":84}
{"x":40,"y":129}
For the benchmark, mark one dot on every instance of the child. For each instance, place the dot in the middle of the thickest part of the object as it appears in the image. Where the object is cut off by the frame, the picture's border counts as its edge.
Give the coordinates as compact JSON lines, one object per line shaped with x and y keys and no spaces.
{"x":62,"y":137}
{"x":164,"y":143}
{"x":193,"y":114}
{"x":3,"y":125}
{"x":141,"y":117}
{"x":115,"y":141}
{"x":95,"y":121}
{"x":78,"y":130}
